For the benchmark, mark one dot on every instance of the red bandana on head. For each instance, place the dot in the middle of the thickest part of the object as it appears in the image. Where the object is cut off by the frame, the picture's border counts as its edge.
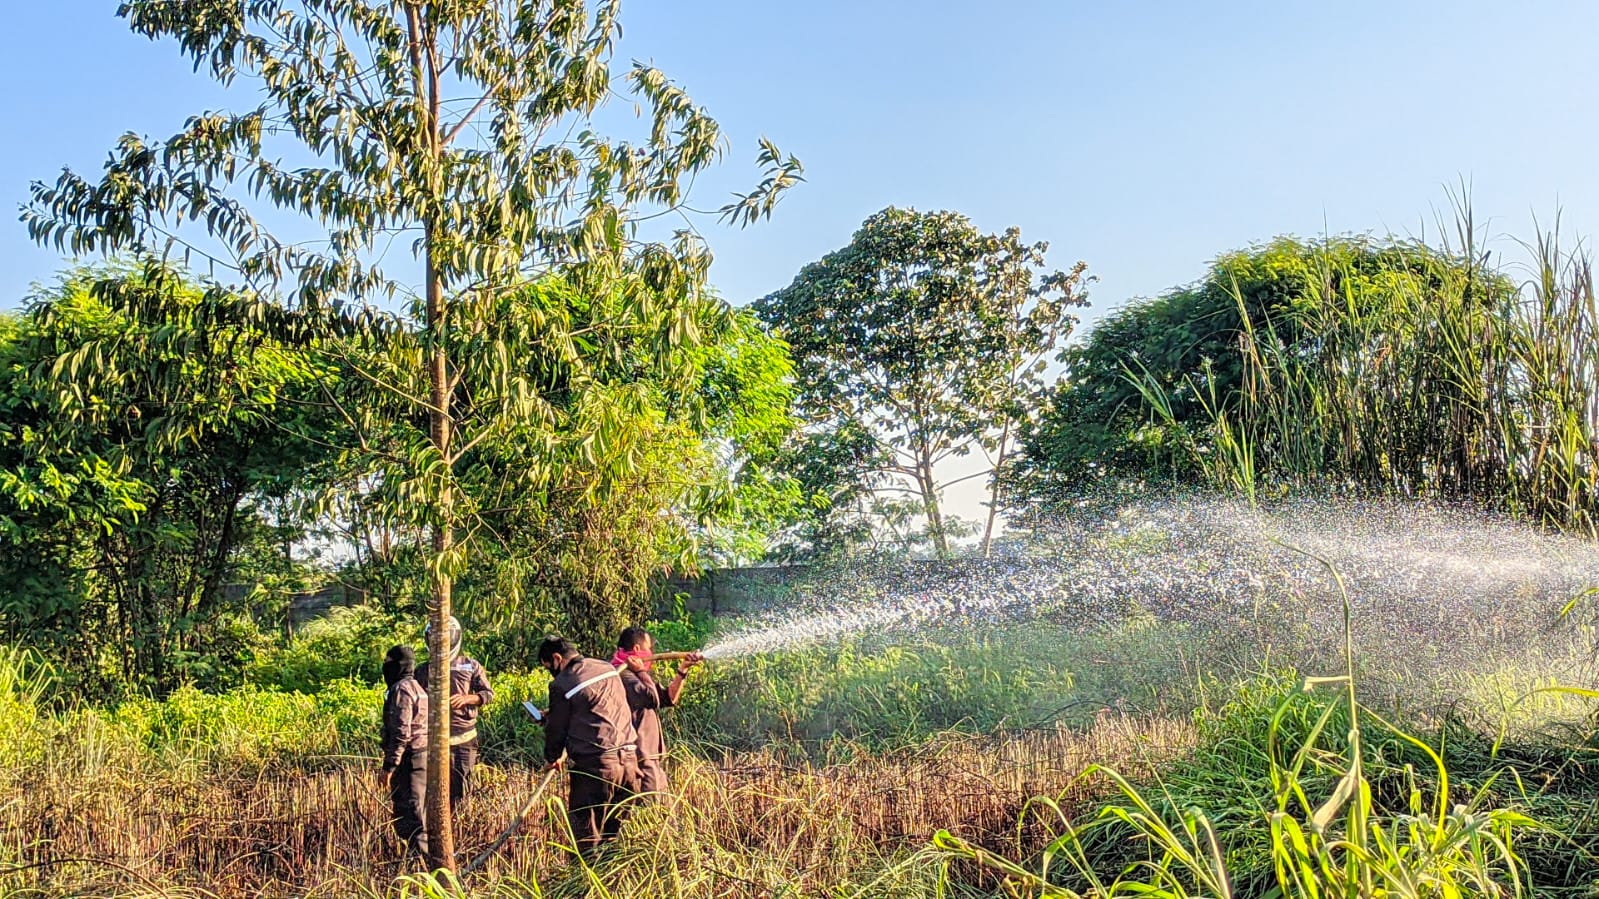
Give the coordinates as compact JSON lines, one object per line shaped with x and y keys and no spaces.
{"x":622,"y":655}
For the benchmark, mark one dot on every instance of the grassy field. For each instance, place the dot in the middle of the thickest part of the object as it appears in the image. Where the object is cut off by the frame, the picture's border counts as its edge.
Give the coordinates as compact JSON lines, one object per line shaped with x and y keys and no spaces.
{"x":1201,"y":730}
{"x":956,"y":762}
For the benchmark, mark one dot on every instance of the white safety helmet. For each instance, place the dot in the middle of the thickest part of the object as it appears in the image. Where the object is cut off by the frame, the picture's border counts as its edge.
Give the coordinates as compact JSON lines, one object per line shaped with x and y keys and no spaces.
{"x":453,"y":629}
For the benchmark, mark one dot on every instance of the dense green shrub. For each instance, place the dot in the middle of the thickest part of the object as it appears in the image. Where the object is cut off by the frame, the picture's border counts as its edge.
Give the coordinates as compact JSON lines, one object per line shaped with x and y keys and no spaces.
{"x":684,"y":631}
{"x":347,"y":643}
{"x":253,"y":727}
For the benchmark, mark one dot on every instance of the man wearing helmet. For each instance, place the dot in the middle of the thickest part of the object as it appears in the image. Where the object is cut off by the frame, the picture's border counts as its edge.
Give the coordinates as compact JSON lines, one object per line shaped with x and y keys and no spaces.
{"x":469,"y":693}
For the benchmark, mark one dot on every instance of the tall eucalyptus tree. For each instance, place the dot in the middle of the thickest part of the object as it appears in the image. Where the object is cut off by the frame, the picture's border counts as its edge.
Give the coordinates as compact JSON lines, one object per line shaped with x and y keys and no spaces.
{"x":465,"y":125}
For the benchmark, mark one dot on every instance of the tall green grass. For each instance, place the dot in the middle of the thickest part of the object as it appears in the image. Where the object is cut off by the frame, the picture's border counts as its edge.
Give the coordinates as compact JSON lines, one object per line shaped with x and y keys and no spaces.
{"x":1337,"y":820}
{"x":829,"y":771}
{"x":1339,"y":815}
{"x":1444,"y":374}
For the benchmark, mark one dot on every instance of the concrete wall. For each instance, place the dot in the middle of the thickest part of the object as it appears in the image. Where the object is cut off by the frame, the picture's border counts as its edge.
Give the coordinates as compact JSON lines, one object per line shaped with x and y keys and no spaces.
{"x":730,"y":591}
{"x":303,"y":607}
{"x":733,"y":591}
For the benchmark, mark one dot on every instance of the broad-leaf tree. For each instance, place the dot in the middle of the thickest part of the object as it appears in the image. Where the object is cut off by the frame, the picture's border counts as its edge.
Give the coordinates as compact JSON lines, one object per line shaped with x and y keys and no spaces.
{"x":459,"y":129}
{"x":1346,"y":362}
{"x":927,"y":336}
{"x":139,"y":434}
{"x":1095,"y":425}
{"x":649,"y":458}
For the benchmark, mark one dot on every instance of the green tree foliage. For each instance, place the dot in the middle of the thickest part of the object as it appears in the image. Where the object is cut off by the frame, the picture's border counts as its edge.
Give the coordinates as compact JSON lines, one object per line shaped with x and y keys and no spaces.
{"x":1097,"y":425}
{"x":925,"y":337}
{"x":836,"y":466}
{"x":647,"y":459}
{"x":140,"y":438}
{"x":463,"y":128}
{"x":743,"y":407}
{"x":1367,"y":365}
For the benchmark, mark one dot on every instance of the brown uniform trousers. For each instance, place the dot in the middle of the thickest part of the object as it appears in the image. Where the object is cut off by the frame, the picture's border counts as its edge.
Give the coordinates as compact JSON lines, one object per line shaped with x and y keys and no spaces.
{"x":408,"y":793}
{"x":601,"y":788}
{"x":590,"y":723}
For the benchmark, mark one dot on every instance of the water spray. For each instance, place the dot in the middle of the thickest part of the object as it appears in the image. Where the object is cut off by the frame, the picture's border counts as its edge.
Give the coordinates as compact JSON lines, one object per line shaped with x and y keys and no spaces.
{"x":1413,"y":569}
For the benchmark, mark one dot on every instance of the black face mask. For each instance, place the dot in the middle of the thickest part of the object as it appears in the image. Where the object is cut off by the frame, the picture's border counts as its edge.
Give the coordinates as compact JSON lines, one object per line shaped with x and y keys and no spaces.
{"x":398,"y":668}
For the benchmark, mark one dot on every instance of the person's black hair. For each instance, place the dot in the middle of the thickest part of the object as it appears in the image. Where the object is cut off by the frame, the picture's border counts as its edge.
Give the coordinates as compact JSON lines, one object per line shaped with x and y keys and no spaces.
{"x":631,"y":638}
{"x":400,"y":654}
{"x":555,"y":646}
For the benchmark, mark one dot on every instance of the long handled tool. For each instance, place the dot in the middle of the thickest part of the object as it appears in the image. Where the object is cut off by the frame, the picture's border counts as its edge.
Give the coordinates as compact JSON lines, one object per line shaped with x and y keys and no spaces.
{"x":515,"y":825}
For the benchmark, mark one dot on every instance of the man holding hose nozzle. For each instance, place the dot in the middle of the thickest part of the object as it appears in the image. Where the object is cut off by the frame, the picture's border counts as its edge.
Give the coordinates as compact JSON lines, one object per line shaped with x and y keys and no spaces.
{"x":591,"y":724}
{"x":405,"y":743}
{"x":635,"y":653}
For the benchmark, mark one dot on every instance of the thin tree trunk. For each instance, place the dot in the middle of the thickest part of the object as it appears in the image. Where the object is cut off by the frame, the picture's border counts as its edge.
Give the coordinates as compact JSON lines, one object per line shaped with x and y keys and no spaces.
{"x":993,"y":490}
{"x":441,"y":834}
{"x":935,"y":518}
{"x":441,"y":837}
{"x":211,"y":582}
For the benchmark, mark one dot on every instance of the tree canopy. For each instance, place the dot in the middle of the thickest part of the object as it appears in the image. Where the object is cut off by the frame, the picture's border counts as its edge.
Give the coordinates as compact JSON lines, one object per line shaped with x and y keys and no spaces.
{"x":1348,"y":363}
{"x":924,"y":337}
{"x":140,"y":434}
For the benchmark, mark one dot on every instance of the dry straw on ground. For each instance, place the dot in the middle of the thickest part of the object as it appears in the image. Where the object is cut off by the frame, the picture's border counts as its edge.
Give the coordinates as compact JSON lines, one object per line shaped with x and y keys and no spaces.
{"x":747,"y":824}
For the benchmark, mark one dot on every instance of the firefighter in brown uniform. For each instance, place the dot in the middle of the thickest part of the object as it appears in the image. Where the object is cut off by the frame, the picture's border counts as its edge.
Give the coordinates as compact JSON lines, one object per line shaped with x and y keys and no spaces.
{"x":469,"y":693}
{"x":591,"y":724}
{"x":646,"y":697}
{"x":405,"y":743}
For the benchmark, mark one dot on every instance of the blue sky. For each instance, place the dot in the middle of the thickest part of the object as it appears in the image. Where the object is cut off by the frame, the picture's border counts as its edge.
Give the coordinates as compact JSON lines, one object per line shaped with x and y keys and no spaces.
{"x":1144,"y":138}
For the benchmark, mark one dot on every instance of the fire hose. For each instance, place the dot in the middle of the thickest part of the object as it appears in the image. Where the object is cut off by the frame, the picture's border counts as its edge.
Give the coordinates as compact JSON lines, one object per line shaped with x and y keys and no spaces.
{"x":515,"y":825}
{"x":671,"y":656}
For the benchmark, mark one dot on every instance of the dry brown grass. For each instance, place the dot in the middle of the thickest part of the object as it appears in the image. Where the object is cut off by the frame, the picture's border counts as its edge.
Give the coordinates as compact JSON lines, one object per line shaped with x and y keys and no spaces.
{"x":746,"y":824}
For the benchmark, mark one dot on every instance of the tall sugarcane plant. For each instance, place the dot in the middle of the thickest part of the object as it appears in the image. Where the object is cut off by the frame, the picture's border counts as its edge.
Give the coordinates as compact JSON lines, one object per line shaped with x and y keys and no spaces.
{"x":1406,"y":369}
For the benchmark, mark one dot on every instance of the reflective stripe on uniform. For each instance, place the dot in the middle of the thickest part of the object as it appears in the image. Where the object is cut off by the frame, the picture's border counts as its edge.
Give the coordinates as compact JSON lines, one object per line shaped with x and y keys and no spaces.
{"x":464,"y":738}
{"x":592,"y":681}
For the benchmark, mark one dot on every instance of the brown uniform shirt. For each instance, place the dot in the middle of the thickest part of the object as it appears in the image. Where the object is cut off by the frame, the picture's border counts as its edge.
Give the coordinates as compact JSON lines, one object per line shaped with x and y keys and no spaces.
{"x":466,"y":676}
{"x":589,"y":715}
{"x":646,"y":697}
{"x":405,"y":721}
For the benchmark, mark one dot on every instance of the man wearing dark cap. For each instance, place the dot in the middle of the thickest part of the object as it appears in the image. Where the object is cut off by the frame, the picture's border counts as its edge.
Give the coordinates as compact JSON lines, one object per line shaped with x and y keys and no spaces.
{"x":469,"y":693}
{"x":405,"y":743}
{"x":591,"y":724}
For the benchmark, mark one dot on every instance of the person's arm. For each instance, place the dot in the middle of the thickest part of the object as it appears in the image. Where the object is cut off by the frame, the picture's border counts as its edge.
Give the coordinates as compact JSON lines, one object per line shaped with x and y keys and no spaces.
{"x":480,"y":686}
{"x":476,"y":694}
{"x":393,"y":730}
{"x":674,"y":689}
{"x":556,"y":723}
{"x":414,"y":712}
